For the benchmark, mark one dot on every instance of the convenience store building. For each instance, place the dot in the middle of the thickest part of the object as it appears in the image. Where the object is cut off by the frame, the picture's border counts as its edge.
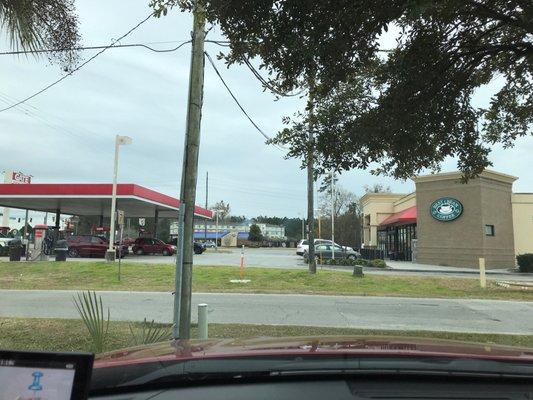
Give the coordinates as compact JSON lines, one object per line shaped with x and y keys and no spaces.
{"x":448,"y":222}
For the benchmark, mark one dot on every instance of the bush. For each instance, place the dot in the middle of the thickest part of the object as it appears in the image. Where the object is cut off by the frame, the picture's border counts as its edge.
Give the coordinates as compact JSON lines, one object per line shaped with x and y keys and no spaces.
{"x":378,"y":263}
{"x":525,"y":262}
{"x":345,"y":262}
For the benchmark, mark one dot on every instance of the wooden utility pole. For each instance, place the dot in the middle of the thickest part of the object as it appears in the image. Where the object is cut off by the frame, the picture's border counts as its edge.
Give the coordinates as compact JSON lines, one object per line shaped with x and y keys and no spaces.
{"x":190,"y":165}
{"x":310,"y":181}
{"x":206,"y":201}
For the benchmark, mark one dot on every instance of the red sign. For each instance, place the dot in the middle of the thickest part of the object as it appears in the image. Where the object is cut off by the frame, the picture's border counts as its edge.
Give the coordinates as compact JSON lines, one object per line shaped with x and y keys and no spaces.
{"x":19,"y":177}
{"x":39,"y":233}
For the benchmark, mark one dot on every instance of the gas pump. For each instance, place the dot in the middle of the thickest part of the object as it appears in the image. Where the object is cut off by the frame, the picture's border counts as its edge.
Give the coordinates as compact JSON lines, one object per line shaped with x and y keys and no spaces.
{"x":36,"y":250}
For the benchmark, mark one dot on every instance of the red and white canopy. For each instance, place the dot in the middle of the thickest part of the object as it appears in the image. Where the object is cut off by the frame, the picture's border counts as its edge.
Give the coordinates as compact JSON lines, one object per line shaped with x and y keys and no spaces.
{"x":92,"y":199}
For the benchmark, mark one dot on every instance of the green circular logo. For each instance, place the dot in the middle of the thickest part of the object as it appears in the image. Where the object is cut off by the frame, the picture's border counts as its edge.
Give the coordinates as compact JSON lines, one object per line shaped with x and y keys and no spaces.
{"x":446,"y":209}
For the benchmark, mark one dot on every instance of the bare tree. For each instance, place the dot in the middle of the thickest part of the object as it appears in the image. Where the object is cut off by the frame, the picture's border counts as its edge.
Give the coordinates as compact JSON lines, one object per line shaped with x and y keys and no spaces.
{"x":377,"y":188}
{"x":223,"y":209}
{"x":344,"y":201}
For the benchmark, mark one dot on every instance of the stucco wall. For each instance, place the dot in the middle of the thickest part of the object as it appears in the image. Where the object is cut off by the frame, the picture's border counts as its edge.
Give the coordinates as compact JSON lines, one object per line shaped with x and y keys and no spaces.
{"x":462,"y":242}
{"x":522,"y":204}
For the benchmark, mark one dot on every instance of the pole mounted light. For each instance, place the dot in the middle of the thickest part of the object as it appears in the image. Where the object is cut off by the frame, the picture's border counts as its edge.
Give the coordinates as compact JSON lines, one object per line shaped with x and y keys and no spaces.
{"x":119,"y":141}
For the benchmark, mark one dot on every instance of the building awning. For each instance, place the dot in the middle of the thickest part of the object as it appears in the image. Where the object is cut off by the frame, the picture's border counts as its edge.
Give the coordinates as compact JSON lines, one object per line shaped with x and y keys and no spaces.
{"x":407,"y":216}
{"x":92,"y":199}
{"x":210,"y":235}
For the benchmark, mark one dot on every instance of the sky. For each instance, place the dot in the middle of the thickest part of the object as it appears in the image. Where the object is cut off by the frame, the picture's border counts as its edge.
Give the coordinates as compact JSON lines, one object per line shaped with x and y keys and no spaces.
{"x":67,"y":133}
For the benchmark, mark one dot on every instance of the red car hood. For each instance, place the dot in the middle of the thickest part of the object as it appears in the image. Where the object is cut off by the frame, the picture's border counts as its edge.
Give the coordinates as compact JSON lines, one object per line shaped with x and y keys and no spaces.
{"x":357,"y":346}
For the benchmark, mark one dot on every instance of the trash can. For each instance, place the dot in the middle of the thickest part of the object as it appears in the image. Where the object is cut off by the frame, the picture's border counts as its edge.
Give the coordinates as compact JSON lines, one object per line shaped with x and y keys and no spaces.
{"x":61,"y":250}
{"x":15,"y":250}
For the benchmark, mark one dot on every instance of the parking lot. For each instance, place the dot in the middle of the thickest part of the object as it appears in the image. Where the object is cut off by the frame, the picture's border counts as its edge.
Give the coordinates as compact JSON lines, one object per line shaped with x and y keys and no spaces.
{"x":276,"y":257}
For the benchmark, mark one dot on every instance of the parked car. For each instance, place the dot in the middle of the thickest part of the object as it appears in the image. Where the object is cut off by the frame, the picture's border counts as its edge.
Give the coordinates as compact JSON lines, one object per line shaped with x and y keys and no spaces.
{"x":91,"y":246}
{"x":127,"y":241}
{"x":303,"y":245}
{"x":326,"y":250}
{"x":199,"y":248}
{"x":152,"y":246}
{"x":209,"y":244}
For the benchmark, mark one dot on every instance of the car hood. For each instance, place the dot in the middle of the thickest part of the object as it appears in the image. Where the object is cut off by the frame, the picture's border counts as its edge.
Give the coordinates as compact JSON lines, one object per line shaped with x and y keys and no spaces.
{"x":182,"y":350}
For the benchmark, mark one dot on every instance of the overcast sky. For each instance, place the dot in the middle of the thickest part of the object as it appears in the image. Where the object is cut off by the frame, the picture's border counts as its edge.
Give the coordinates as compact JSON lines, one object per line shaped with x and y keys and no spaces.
{"x":67,"y":133}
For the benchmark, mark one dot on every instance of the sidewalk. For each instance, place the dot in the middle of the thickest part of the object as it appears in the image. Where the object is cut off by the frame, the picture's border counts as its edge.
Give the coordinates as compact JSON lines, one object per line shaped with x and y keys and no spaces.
{"x":416,"y":267}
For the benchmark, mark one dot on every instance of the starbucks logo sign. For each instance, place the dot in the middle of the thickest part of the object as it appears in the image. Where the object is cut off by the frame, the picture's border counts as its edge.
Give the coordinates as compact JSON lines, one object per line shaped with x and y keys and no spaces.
{"x":446,"y":209}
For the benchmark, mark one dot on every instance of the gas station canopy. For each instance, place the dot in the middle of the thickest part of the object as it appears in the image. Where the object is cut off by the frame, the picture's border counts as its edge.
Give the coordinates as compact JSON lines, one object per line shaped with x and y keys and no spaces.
{"x":92,"y":199}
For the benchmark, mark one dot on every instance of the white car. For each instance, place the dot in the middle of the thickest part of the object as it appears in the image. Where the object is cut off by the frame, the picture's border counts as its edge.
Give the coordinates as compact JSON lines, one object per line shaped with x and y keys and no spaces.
{"x":303,"y":245}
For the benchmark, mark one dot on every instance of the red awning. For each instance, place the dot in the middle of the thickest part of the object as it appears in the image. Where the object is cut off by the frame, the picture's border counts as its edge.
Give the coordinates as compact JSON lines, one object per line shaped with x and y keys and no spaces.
{"x":407,"y":216}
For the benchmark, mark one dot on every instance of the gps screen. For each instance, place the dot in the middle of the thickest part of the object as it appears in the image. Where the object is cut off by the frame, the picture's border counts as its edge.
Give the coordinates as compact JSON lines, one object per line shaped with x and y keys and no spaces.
{"x":25,"y":380}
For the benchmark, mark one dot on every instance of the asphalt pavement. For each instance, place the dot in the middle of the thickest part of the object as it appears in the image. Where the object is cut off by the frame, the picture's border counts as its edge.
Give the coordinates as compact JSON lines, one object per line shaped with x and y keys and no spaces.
{"x":460,"y":315}
{"x":286,"y":258}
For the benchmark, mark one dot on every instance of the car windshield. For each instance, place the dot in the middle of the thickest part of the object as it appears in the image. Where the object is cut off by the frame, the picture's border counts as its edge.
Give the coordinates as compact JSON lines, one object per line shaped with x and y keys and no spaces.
{"x":229,"y":177}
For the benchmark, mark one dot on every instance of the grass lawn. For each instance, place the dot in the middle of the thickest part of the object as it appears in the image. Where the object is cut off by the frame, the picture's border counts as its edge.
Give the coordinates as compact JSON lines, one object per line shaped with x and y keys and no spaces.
{"x":160,"y":277}
{"x":71,"y":334}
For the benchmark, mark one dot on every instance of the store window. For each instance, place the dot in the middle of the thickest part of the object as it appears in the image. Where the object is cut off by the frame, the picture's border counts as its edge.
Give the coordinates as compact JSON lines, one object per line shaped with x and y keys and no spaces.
{"x":489,"y":230}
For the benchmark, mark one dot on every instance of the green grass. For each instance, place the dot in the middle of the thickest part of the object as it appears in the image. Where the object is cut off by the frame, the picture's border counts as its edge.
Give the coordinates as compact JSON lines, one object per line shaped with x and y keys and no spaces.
{"x":71,"y":334}
{"x":160,"y":277}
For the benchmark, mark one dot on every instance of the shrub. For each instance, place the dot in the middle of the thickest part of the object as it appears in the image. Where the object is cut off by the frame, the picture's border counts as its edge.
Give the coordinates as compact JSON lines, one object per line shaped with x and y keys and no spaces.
{"x":525,"y":262}
{"x":345,"y":262}
{"x":378,"y":263}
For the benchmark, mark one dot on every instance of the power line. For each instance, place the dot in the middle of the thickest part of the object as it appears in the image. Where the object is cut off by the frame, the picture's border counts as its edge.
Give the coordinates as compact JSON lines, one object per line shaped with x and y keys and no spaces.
{"x":267,"y":84}
{"x":237,"y":101}
{"x":116,"y":46}
{"x":79,"y":66}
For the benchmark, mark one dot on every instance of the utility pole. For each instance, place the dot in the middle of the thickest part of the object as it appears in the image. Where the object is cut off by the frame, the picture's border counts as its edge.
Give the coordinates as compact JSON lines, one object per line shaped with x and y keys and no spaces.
{"x":189,"y":175}
{"x":310,"y":181}
{"x":206,"y":200}
{"x":332,"y":215}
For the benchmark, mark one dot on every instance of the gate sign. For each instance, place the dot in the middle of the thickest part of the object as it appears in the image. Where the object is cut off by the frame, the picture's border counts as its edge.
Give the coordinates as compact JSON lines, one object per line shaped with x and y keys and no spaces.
{"x":19,"y":177}
{"x":446,"y":209}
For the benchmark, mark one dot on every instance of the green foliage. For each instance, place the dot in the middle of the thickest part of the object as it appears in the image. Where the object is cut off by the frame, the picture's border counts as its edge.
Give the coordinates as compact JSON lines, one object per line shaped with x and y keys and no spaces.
{"x":255,"y":234}
{"x":237,"y":218}
{"x":404,"y":109}
{"x":91,"y":311}
{"x":525,"y":262}
{"x":378,"y":263}
{"x":52,"y":24}
{"x":149,"y":332}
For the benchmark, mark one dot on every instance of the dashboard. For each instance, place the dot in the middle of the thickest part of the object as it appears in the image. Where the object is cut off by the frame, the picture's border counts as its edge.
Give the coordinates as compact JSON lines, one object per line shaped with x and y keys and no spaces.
{"x":377,"y":388}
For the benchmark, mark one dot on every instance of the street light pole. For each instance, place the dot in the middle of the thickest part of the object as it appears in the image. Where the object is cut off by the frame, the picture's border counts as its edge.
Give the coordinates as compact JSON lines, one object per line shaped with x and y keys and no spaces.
{"x":110,"y":253}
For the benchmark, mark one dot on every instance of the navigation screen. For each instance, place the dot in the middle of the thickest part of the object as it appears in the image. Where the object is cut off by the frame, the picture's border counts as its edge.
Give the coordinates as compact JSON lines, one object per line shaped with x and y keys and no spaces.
{"x":25,"y":380}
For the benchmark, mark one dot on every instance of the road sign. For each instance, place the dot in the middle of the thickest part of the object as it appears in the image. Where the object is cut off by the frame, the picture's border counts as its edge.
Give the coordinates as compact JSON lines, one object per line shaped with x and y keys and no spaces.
{"x":120,"y":217}
{"x":142,"y":221}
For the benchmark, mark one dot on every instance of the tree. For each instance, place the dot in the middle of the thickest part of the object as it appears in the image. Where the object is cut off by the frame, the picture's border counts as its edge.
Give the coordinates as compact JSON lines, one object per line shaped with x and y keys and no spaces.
{"x":401,"y":110}
{"x":37,"y":24}
{"x":344,"y":201}
{"x":377,"y":188}
{"x":223,"y":209}
{"x":237,"y":218}
{"x":255,"y":234}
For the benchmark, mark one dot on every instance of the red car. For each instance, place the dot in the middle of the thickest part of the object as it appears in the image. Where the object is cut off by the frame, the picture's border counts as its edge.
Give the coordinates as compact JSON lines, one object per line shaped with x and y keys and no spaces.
{"x":90,"y":246}
{"x":152,"y":246}
{"x":333,"y":367}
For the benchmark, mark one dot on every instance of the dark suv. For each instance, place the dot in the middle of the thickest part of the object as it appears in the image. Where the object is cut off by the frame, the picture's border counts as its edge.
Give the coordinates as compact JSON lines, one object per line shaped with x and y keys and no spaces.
{"x":199,"y":248}
{"x":152,"y":246}
{"x":90,"y":246}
